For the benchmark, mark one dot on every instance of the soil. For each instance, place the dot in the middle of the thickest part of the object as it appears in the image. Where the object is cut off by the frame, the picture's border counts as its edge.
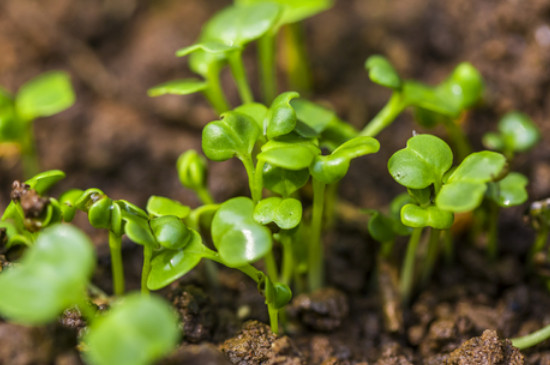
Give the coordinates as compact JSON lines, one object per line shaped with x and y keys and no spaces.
{"x":117,"y":139}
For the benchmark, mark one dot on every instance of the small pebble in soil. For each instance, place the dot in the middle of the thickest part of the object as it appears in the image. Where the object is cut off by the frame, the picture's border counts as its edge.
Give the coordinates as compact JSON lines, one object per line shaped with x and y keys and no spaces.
{"x":487,"y":349}
{"x":322,"y":310}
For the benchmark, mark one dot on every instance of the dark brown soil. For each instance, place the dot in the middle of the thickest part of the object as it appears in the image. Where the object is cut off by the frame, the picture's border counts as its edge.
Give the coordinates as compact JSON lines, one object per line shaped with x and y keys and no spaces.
{"x":117,"y":139}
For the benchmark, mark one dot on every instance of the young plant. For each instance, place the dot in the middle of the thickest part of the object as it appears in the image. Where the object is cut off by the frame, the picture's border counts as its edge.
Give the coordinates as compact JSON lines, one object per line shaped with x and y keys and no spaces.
{"x":192,"y":172}
{"x":539,"y":217}
{"x":444,"y":103}
{"x":424,"y":168}
{"x":47,"y":94}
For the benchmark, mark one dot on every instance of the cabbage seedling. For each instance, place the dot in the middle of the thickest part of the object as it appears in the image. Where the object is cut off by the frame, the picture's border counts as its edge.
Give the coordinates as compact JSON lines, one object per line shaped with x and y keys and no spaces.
{"x":192,"y":172}
{"x":539,"y":217}
{"x":47,"y":94}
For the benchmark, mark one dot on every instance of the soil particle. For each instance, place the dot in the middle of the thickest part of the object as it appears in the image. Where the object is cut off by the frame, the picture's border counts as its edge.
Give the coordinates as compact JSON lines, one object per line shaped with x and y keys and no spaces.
{"x":487,"y":349}
{"x":196,"y":312}
{"x":72,"y":318}
{"x":33,"y":204}
{"x":206,"y":354}
{"x":322,"y":310}
{"x":256,"y":345}
{"x":23,"y":345}
{"x":392,"y":354}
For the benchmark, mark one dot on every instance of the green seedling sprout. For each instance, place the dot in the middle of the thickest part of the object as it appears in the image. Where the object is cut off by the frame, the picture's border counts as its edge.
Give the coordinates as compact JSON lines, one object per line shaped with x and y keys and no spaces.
{"x":443,"y":103}
{"x":424,"y":168}
{"x":539,"y":217}
{"x":192,"y":172}
{"x":222,"y":41}
{"x":47,"y":94}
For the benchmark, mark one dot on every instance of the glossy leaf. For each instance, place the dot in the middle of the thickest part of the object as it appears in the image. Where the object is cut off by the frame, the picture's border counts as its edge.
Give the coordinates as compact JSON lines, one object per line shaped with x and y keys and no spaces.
{"x":284,"y":182}
{"x":380,"y":227}
{"x":45,"y":95}
{"x":213,"y":47}
{"x":291,"y":152}
{"x":68,"y":203}
{"x":517,"y":133}
{"x":192,"y":169}
{"x":136,"y":331}
{"x":422,"y":163}
{"x":256,"y":111}
{"x":43,"y":181}
{"x":237,"y":236}
{"x":461,"y":196}
{"x":464,"y":86}
{"x":99,"y":213}
{"x":51,"y":277}
{"x":159,"y":206}
{"x":286,"y":213}
{"x":480,"y":167}
{"x":138,"y":230}
{"x":509,"y":191}
{"x":382,"y":72}
{"x":281,"y":117}
{"x":131,"y":209}
{"x":234,"y":135}
{"x":296,"y":10}
{"x":417,"y":217}
{"x":178,"y":87}
{"x":169,"y":265}
{"x":171,"y":232}
{"x":336,"y":133}
{"x":313,"y":119}
{"x":333,"y":167}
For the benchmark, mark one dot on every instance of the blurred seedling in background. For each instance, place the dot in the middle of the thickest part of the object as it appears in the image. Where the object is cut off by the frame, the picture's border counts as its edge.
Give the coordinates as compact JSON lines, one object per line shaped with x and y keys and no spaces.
{"x":48,"y":94}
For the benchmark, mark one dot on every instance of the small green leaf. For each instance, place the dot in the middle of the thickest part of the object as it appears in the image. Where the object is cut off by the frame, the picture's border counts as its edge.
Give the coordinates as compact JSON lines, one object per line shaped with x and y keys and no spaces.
{"x":68,"y":203}
{"x":429,"y":98}
{"x":464,"y":87}
{"x":334,"y":167}
{"x":99,"y":213}
{"x":11,"y":127}
{"x":237,"y":236}
{"x":137,"y":331}
{"x":234,"y":135}
{"x":422,"y":163}
{"x":178,"y":87}
{"x":138,"y":230}
{"x":281,"y":117}
{"x":417,"y":217}
{"x":286,"y":213}
{"x":45,"y":180}
{"x":479,"y":167}
{"x":290,"y":152}
{"x":509,"y":191}
{"x":51,"y":277}
{"x":159,"y":206}
{"x":131,"y":209}
{"x":281,"y":295}
{"x":461,"y":196}
{"x":213,"y":47}
{"x":45,"y":95}
{"x":169,"y":265}
{"x":171,"y":232}
{"x":381,"y":227}
{"x":382,"y":72}
{"x":518,"y":132}
{"x":192,"y":170}
{"x":284,"y":182}
{"x":313,"y":119}
{"x":255,"y":111}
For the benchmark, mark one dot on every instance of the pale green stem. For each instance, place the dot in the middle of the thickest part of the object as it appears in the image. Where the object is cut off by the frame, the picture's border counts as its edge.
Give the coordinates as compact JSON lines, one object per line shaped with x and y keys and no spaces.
{"x":531,"y":339}
{"x":448,"y":246}
{"x":271,"y":267}
{"x":146,"y":268}
{"x":331,"y":201}
{"x":115,"y":246}
{"x":298,"y":65}
{"x":315,"y":247}
{"x":239,"y":74}
{"x":385,"y":116}
{"x":250,"y":171}
{"x":287,"y":270}
{"x":492,"y":244}
{"x":266,"y":55}
{"x":431,"y":255}
{"x":259,"y":180}
{"x":407,"y":273}
{"x":214,"y":92}
{"x":204,"y":195}
{"x":273,"y":318}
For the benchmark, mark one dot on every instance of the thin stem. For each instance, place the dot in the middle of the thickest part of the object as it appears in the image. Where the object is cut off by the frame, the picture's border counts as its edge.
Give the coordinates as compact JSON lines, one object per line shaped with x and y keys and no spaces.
{"x":146,"y":268}
{"x":297,"y":61}
{"x":115,"y":246}
{"x":331,"y":201}
{"x":271,"y":267}
{"x":214,"y":92}
{"x":431,"y":255}
{"x":250,"y":171}
{"x":287,"y":266}
{"x":492,"y":244}
{"x":204,"y":195}
{"x":266,"y":56}
{"x":540,"y":241}
{"x":258,"y":180}
{"x":239,"y":74}
{"x":460,"y":142}
{"x":315,"y":247}
{"x":531,"y":339}
{"x":407,"y":273}
{"x":273,"y":318}
{"x":386,"y":116}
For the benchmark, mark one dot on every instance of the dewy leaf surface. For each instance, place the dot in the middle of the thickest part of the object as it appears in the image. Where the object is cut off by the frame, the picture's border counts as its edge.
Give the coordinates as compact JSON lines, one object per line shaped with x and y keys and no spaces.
{"x":136,"y":331}
{"x":422,"y":163}
{"x":237,"y":236}
{"x":509,"y":191}
{"x":51,"y":277}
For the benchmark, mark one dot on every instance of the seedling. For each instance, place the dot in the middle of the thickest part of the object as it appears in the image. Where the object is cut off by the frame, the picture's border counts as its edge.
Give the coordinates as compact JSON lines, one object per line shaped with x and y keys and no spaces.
{"x":48,"y":94}
{"x":444,"y":103}
{"x":539,"y":217}
{"x":192,"y":172}
{"x":438,"y":192}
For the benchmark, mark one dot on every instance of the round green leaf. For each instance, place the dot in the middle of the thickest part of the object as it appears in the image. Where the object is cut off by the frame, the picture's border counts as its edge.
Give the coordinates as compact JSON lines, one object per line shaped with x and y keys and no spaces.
{"x":255,"y":111}
{"x":381,"y":227}
{"x":171,"y":232}
{"x":493,"y":141}
{"x":138,"y":230}
{"x":281,"y":117}
{"x":45,"y":95}
{"x":43,"y":181}
{"x":461,"y":196}
{"x":192,"y":170}
{"x":382,"y":72}
{"x":518,"y":132}
{"x":68,"y":203}
{"x":313,"y":119}
{"x":422,"y":163}
{"x":159,"y":206}
{"x":137,"y":331}
{"x":430,"y":99}
{"x":284,"y":182}
{"x":234,"y":135}
{"x":509,"y":191}
{"x":464,"y":86}
{"x":417,"y":217}
{"x":178,"y":87}
{"x":479,"y":167}
{"x":51,"y":277}
{"x":282,"y":295}
{"x":169,"y":265}
{"x":286,"y":213}
{"x":291,"y":152}
{"x":99,"y":213}
{"x":237,"y":236}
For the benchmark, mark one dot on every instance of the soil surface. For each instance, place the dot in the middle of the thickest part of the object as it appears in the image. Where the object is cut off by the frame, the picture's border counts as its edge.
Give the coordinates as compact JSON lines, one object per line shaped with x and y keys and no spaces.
{"x":118,"y":139}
